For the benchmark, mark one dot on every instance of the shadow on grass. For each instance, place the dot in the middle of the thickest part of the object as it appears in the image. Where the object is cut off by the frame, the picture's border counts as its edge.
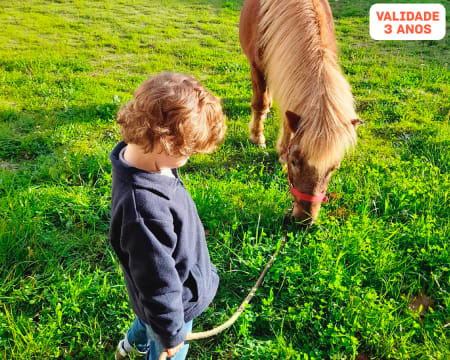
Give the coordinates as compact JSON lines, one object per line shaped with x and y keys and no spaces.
{"x":249,"y":157}
{"x":237,"y":107}
{"x":343,"y":9}
{"x":418,"y":143}
{"x":25,"y":136}
{"x":26,"y":122}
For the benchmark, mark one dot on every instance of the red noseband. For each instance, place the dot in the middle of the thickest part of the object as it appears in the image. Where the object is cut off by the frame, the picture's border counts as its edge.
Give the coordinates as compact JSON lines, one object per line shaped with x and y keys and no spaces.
{"x":299,"y":195}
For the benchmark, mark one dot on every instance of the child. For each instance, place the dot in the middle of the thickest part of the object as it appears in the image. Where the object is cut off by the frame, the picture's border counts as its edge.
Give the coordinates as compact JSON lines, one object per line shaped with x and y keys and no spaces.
{"x":155,"y":228}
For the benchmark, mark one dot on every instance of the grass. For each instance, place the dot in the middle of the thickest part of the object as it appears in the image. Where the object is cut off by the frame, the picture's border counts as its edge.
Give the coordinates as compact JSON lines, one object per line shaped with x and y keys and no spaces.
{"x":339,"y":290}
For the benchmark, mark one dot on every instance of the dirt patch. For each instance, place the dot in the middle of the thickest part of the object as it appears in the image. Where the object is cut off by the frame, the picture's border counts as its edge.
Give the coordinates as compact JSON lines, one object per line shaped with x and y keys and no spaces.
{"x":341,"y":212}
{"x":420,"y":302}
{"x":362,"y":357}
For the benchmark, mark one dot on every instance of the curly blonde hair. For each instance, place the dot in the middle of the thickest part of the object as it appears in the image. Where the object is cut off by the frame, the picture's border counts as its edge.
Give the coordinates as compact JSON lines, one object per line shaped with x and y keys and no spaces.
{"x":176,"y":111}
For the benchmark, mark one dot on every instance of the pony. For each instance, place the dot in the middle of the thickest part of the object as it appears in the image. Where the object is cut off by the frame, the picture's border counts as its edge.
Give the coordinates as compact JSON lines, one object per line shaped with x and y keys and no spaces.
{"x":291,"y":48}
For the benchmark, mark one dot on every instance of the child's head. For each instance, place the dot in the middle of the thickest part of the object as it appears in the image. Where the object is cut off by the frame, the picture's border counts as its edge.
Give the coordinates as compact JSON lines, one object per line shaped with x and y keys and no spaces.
{"x":177,"y":112}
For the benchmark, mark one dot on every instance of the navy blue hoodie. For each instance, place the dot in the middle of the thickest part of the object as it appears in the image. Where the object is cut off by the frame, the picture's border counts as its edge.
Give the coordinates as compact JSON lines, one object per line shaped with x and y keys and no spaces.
{"x":160,"y":242}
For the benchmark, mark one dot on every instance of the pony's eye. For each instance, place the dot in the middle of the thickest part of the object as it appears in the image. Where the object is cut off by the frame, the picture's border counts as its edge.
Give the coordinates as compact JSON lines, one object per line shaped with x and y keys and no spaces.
{"x":293,"y":163}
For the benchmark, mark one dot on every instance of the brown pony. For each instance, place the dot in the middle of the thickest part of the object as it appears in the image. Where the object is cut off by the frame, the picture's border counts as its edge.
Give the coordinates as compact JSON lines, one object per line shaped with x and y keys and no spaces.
{"x":291,"y":48}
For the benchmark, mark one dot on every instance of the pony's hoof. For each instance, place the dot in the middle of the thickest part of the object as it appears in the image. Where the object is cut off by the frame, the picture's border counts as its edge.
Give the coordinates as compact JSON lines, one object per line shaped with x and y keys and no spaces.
{"x":259,"y":141}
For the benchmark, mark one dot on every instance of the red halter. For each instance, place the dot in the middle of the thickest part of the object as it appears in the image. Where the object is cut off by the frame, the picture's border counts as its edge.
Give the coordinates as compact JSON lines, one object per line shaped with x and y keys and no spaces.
{"x":299,"y":195}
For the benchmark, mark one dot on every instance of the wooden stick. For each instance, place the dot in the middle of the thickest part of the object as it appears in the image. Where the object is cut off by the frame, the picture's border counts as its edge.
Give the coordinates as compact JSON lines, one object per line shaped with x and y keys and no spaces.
{"x":240,"y":310}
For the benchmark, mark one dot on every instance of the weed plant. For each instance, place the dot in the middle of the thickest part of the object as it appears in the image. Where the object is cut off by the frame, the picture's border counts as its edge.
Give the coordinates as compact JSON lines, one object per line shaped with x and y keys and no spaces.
{"x":340,"y":290}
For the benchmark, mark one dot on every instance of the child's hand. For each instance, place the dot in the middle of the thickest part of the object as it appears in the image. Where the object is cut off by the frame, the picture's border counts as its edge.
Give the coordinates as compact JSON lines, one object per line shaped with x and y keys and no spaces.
{"x":172,"y":351}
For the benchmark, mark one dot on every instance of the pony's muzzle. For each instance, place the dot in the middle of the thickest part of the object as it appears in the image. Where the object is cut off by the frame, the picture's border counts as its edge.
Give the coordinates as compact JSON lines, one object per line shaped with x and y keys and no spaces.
{"x":305,"y":212}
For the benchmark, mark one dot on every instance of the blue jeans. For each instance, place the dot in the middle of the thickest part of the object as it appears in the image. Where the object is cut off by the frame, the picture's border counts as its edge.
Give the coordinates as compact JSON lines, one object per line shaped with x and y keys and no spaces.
{"x":142,"y":336}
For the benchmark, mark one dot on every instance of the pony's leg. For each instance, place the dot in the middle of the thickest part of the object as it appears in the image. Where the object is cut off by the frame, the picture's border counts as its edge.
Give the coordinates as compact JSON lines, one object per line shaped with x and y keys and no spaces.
{"x":283,"y":141}
{"x":261,"y":103}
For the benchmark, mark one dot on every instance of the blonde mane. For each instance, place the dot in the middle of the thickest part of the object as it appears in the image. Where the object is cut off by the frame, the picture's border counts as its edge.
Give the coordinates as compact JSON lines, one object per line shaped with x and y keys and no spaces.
{"x":303,"y":75}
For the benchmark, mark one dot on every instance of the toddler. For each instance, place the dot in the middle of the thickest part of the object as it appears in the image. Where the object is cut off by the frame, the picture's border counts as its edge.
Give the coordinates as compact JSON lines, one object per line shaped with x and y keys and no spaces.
{"x":155,"y":228}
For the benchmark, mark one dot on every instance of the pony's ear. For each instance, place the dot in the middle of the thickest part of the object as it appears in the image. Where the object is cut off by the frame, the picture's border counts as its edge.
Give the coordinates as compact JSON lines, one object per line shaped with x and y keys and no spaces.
{"x":293,"y":120}
{"x":355,"y":122}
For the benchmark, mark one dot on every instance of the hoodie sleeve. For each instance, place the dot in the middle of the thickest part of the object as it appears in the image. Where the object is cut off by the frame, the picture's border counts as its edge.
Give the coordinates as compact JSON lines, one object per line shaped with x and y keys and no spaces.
{"x":149,"y":245}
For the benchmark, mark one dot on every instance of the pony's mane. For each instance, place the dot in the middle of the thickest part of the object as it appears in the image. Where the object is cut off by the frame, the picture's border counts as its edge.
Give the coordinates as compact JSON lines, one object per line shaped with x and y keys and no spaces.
{"x":303,"y":74}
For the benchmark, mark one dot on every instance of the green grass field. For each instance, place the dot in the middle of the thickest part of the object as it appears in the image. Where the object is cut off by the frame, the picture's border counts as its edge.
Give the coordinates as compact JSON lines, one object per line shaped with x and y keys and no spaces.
{"x":342,"y":289}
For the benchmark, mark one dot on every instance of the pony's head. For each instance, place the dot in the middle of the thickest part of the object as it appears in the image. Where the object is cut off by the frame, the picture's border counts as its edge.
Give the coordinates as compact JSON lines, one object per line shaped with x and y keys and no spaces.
{"x":310,"y":166}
